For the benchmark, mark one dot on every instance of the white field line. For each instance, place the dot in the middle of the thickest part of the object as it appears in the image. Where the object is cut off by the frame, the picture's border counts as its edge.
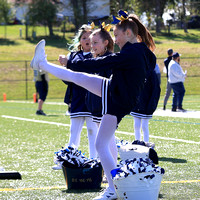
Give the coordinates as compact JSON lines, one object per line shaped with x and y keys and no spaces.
{"x":31,"y":102}
{"x":169,"y":113}
{"x":119,"y":132}
{"x":158,"y":112}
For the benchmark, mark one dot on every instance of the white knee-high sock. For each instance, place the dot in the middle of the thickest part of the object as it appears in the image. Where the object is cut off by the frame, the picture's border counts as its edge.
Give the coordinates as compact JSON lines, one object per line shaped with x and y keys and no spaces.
{"x":106,"y":131}
{"x":137,"y":128}
{"x":92,"y":130}
{"x":90,"y":82}
{"x":145,"y":129}
{"x":75,"y":130}
{"x":113,"y":149}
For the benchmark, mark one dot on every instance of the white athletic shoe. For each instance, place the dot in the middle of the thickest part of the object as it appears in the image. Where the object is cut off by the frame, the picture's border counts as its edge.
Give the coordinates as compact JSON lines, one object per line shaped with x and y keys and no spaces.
{"x":150,"y":145}
{"x":2,"y":169}
{"x":39,"y":55}
{"x":107,"y":194}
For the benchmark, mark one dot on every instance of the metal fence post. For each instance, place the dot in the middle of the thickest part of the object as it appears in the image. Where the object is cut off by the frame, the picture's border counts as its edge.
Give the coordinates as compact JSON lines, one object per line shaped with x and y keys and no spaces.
{"x":26,"y":71}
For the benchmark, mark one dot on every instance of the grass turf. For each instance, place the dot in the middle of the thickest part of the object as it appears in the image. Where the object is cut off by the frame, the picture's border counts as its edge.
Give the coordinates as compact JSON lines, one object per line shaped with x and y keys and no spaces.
{"x":28,"y":147}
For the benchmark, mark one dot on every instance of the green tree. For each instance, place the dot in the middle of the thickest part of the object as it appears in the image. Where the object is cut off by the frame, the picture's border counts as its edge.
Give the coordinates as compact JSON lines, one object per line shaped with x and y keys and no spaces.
{"x":43,"y":11}
{"x":5,"y":15}
{"x":152,"y":8}
{"x":194,"y":7}
{"x":25,"y":15}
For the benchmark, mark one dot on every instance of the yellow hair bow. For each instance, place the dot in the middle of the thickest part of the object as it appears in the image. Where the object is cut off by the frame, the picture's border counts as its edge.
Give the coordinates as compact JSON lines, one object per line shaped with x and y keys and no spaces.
{"x":106,"y":27}
{"x":92,"y":25}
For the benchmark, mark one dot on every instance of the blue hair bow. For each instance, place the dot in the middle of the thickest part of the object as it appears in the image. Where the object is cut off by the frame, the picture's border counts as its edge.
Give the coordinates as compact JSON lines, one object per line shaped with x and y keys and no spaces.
{"x":123,"y":15}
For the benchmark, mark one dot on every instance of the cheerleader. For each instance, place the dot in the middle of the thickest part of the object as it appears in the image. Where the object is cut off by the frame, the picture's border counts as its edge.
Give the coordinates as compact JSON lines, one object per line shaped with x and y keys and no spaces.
{"x":120,"y":93}
{"x":147,"y":104}
{"x":75,"y":95}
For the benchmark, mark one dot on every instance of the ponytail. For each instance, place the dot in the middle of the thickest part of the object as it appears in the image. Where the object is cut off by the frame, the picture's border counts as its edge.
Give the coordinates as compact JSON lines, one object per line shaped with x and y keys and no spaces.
{"x":138,"y":29}
{"x":143,"y":32}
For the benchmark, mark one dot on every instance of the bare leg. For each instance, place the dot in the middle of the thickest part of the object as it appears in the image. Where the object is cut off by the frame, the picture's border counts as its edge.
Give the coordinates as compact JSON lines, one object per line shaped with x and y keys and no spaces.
{"x":88,"y":81}
{"x":40,"y":103}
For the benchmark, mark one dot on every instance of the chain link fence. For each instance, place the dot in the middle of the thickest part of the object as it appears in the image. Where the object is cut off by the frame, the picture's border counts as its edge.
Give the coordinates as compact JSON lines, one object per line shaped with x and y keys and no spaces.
{"x":16,"y":79}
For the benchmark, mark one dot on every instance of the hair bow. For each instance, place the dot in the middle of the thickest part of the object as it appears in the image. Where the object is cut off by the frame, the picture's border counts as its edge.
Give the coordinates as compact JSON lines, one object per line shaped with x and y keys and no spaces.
{"x":123,"y":15}
{"x":106,"y":27}
{"x":92,"y":25}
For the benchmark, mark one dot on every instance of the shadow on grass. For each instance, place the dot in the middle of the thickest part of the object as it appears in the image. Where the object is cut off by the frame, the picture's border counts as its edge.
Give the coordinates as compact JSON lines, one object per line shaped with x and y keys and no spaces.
{"x":52,"y":115}
{"x":7,"y":42}
{"x":55,"y":41}
{"x":81,"y":191}
{"x":189,"y":37}
{"x":173,"y":160}
{"x":160,"y":196}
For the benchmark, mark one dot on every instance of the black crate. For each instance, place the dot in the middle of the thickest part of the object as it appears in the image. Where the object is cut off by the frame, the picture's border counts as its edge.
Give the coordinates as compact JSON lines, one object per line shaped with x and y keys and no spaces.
{"x":83,"y":178}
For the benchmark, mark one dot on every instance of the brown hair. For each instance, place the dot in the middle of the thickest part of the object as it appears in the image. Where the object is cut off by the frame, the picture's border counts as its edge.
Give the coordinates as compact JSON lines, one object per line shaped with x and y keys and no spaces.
{"x":138,"y":30}
{"x":105,"y":35}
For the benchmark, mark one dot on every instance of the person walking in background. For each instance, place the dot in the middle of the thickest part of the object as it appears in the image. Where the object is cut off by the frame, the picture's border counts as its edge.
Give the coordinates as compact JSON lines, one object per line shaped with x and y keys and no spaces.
{"x":176,"y":79}
{"x":168,"y":87}
{"x":158,"y":74}
{"x":41,"y":79}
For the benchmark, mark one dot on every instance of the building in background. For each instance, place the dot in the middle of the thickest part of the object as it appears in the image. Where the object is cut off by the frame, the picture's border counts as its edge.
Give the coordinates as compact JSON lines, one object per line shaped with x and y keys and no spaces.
{"x":95,"y":9}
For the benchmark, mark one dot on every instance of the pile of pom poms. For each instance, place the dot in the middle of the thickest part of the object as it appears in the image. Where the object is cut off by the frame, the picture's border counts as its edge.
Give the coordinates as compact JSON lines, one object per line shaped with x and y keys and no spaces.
{"x":71,"y":157}
{"x":135,"y":166}
{"x":136,"y":149}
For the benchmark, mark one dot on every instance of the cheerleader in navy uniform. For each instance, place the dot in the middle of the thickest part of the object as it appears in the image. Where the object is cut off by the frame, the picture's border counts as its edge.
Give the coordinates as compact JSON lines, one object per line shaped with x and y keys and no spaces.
{"x":102,"y":45}
{"x":146,"y":106}
{"x":75,"y":95}
{"x":121,"y":92}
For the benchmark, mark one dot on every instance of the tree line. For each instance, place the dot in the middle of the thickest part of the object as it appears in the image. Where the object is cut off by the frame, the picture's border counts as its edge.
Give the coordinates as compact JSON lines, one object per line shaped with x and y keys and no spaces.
{"x":44,"y":11}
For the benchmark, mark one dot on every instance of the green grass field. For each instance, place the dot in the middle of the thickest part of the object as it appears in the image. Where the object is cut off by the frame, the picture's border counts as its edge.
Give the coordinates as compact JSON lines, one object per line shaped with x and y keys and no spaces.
{"x":28,"y":147}
{"x":16,"y":54}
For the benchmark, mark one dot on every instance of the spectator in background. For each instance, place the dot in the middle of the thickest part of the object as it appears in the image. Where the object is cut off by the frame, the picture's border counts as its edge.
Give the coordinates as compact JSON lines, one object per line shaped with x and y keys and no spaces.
{"x":157,"y":70}
{"x":41,"y":79}
{"x":176,"y":78}
{"x":168,"y":88}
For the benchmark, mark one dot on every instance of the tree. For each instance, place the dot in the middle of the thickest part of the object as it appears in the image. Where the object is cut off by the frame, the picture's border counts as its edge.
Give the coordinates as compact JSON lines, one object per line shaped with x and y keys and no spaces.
{"x":25,"y":15}
{"x":80,"y":9}
{"x":179,"y":7}
{"x":194,"y":7}
{"x":43,"y":11}
{"x":5,"y":14}
{"x":116,"y":5}
{"x":184,"y":16}
{"x":151,"y":8}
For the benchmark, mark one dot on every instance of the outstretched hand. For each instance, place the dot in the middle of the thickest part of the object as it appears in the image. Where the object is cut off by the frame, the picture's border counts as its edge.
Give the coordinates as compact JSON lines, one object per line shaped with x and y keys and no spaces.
{"x":63,"y":60}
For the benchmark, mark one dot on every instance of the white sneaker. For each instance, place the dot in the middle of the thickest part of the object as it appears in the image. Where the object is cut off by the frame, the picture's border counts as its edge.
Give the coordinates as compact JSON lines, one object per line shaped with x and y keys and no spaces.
{"x":107,"y":194}
{"x":39,"y":55}
{"x":2,"y":169}
{"x":150,"y":144}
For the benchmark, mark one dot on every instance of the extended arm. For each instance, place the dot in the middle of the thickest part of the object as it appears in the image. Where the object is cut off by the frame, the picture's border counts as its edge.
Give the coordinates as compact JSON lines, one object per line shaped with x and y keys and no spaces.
{"x":95,"y":65}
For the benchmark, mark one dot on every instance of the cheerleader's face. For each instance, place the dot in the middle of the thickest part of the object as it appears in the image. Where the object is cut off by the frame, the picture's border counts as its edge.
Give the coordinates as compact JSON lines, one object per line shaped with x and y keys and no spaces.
{"x":99,"y":46}
{"x":120,"y":37}
{"x":85,"y":41}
